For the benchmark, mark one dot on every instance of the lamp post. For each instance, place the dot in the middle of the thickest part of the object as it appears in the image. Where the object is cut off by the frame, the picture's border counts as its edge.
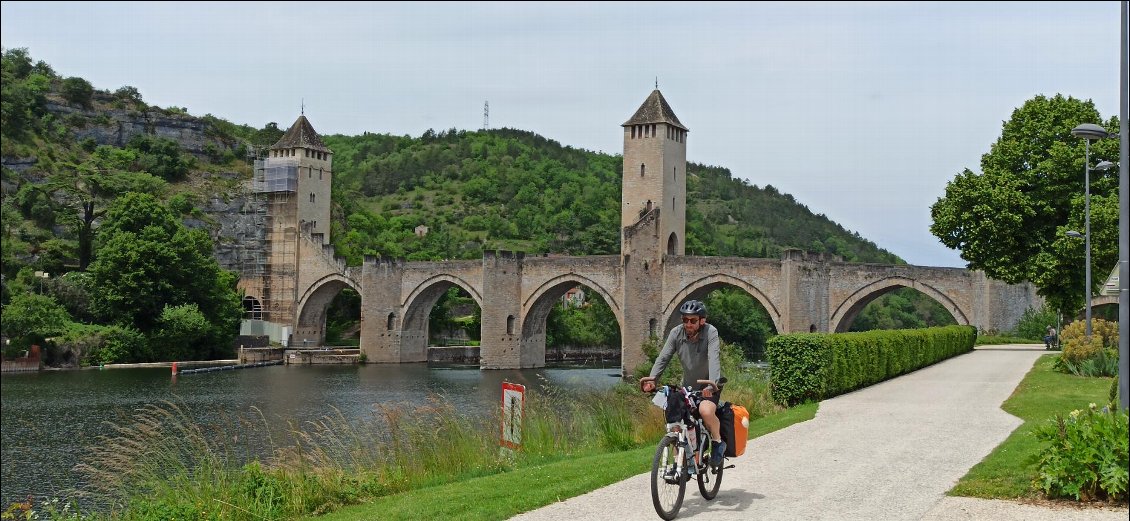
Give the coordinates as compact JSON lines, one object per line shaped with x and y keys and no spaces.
{"x":1087,"y":290}
{"x":1089,"y":131}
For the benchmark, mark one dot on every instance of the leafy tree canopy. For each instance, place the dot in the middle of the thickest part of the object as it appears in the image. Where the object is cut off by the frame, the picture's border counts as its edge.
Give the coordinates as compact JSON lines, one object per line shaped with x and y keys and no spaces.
{"x":1010,"y":220}
{"x":149,"y":266}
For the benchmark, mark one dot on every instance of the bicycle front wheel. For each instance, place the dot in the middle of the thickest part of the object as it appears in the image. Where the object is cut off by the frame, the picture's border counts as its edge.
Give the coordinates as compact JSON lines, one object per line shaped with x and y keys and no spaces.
{"x":668,"y":478}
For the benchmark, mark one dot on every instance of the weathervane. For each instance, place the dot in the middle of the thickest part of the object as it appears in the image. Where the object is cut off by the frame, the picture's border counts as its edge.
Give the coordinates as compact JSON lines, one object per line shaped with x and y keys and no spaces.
{"x":657,"y":83}
{"x":303,"y":110}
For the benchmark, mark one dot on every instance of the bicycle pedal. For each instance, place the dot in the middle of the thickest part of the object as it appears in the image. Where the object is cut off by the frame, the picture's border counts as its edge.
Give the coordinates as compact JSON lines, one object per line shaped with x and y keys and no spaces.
{"x":729,"y":466}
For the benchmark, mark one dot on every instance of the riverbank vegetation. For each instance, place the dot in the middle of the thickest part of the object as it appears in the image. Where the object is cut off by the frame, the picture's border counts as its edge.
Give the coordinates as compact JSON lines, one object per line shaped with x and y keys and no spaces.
{"x":161,"y":464}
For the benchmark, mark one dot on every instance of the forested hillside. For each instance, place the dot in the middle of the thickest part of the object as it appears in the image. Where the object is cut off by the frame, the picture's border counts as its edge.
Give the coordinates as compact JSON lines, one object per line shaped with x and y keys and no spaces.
{"x":513,"y":189}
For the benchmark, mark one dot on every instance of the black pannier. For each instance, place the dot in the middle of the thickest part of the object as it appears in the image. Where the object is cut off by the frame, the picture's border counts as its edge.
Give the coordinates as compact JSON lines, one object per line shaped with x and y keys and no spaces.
{"x":726,"y":418}
{"x":676,"y":410}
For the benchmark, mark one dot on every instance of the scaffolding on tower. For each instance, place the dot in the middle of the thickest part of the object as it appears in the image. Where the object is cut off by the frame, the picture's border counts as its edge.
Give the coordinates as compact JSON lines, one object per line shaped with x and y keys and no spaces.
{"x":268,"y":268}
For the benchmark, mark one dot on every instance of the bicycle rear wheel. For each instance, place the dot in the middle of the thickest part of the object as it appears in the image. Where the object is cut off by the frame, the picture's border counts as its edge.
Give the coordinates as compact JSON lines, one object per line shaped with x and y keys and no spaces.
{"x":668,"y":478}
{"x":710,"y":478}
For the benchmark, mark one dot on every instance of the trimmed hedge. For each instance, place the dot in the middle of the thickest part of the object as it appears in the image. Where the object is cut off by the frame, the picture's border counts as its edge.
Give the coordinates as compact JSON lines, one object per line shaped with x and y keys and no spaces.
{"x":806,"y":367}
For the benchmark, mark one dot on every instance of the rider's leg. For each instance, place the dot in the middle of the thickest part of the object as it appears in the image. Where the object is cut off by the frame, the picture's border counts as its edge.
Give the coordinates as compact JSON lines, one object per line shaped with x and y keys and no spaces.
{"x":708,"y":411}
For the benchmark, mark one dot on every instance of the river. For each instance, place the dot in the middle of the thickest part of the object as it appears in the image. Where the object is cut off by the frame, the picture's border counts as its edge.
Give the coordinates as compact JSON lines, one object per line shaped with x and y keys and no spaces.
{"x":48,"y":419}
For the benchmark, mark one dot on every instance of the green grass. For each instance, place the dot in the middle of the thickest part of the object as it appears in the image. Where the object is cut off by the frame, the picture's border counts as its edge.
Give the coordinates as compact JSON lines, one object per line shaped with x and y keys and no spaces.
{"x":494,"y":497}
{"x":1008,"y":471}
{"x":991,"y":340}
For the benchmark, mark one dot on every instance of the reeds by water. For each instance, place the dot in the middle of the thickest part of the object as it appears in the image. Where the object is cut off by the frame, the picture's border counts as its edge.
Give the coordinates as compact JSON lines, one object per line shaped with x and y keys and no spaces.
{"x":160,"y":463}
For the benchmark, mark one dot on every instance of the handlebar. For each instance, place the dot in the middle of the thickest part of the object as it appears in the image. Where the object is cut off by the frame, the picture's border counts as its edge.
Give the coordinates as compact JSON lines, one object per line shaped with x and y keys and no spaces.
{"x":647,"y":385}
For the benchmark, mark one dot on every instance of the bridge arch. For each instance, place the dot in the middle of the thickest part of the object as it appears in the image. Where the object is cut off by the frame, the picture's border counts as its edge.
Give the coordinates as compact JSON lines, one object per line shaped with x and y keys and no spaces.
{"x":849,"y":309}
{"x":419,"y":303}
{"x":698,"y":290}
{"x":539,"y":303}
{"x":1103,"y":300}
{"x":312,"y":306}
{"x":1097,"y":302}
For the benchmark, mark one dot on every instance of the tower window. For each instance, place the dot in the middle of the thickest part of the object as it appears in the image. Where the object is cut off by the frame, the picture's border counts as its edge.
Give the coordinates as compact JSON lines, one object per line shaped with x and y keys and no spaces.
{"x":674,"y":172}
{"x":643,"y":169}
{"x":633,"y":131}
{"x":510,"y":324}
{"x":311,"y":198}
{"x":653,"y":129}
{"x":319,"y":173}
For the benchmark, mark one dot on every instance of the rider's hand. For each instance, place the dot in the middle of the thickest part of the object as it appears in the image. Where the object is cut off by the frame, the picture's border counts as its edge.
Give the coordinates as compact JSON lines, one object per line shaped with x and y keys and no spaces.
{"x":647,"y":384}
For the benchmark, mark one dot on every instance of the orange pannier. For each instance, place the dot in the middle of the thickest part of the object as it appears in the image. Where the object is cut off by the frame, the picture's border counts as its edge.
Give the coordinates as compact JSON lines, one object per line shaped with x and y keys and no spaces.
{"x":741,"y":429}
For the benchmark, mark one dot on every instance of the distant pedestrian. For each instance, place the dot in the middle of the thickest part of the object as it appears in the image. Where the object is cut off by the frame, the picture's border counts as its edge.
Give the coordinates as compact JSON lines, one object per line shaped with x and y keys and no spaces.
{"x":1050,"y":340}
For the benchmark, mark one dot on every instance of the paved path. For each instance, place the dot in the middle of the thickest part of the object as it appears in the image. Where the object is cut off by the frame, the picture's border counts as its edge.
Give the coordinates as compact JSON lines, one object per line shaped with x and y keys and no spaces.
{"x":890,"y":451}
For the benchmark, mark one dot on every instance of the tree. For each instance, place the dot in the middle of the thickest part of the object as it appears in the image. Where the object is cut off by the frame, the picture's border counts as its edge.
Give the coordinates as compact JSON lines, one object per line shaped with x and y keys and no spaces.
{"x":160,"y":157}
{"x":24,"y":92}
{"x":30,"y":316}
{"x":128,"y":93}
{"x":78,"y":91}
{"x":88,"y":185}
{"x":1009,"y":220}
{"x":147,"y":263}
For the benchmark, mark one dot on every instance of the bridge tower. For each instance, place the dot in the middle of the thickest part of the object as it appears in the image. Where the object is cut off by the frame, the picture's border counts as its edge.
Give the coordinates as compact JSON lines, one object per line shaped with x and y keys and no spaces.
{"x":655,"y":174}
{"x":294,"y":181}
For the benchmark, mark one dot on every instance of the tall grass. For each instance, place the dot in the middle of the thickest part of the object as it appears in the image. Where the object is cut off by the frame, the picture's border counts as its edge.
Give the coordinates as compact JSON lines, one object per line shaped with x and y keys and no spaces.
{"x":160,"y":463}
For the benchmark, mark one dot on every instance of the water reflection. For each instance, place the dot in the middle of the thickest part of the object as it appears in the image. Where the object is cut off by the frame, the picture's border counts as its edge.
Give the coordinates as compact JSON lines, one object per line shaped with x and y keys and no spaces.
{"x":46,"y":419}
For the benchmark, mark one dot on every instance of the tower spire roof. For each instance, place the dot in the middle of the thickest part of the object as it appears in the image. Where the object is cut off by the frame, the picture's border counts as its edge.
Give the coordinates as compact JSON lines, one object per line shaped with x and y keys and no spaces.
{"x":655,"y":110}
{"x":301,"y":135}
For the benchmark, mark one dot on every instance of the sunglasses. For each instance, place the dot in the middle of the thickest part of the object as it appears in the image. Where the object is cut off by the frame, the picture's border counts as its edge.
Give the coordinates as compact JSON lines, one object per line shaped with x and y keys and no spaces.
{"x":691,"y":320}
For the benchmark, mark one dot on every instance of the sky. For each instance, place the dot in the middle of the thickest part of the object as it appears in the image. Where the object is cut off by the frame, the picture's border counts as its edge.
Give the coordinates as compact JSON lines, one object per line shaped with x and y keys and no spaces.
{"x":861,"y":111}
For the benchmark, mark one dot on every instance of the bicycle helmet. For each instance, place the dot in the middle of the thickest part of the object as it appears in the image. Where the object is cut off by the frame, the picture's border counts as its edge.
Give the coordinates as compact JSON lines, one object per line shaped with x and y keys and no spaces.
{"x":693,"y":307}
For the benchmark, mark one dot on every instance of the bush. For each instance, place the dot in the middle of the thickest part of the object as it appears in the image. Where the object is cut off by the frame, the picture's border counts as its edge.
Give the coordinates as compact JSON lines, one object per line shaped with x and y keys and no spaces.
{"x":89,"y":344}
{"x":1034,"y":323}
{"x":1088,"y":457}
{"x":78,"y":91}
{"x":1095,"y":356}
{"x":1107,"y":330}
{"x":814,"y":366}
{"x":1104,"y":363}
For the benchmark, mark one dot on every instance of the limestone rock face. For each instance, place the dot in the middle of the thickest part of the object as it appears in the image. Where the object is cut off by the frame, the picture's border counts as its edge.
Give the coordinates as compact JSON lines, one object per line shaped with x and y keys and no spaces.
{"x":116,"y":126}
{"x":239,"y":229}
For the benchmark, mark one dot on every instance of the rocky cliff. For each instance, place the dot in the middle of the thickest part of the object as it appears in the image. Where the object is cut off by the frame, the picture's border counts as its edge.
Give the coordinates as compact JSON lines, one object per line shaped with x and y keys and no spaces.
{"x":111,"y":122}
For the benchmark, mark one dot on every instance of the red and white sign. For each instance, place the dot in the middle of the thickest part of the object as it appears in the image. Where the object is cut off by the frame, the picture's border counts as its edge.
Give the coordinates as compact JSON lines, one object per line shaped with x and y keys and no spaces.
{"x":513,"y":405}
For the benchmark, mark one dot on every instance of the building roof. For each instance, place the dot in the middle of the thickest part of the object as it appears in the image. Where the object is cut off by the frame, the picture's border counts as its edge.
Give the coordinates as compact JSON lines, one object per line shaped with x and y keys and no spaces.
{"x":655,"y":110}
{"x":301,"y":135}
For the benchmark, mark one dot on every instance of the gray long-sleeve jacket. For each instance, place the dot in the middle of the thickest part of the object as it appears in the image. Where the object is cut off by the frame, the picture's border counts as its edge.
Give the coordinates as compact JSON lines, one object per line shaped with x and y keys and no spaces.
{"x":702,"y":360}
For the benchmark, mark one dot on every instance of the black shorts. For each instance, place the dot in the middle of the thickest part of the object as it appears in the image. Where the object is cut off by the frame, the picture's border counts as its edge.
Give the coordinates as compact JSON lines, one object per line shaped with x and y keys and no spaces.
{"x":714,"y":397}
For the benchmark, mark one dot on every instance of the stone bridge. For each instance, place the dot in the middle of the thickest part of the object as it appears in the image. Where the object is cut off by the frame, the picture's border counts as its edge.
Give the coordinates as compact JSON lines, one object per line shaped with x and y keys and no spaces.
{"x":802,"y":292}
{"x":643,"y":285}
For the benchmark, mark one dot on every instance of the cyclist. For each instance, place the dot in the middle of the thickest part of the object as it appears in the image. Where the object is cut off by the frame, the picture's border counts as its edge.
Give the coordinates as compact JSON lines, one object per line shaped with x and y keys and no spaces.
{"x":697,"y":344}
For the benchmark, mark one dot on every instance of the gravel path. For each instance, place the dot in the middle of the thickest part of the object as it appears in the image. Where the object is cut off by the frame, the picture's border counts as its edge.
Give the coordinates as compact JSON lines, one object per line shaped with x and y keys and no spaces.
{"x":890,"y":451}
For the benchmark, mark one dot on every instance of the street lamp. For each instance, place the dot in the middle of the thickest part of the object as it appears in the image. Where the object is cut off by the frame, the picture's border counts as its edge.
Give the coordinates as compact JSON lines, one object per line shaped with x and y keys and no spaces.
{"x":1087,"y":293}
{"x":1089,"y":131}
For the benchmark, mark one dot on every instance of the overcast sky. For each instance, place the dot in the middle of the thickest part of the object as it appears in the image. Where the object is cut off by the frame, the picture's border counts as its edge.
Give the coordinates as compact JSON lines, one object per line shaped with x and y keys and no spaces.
{"x":862,"y":111}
